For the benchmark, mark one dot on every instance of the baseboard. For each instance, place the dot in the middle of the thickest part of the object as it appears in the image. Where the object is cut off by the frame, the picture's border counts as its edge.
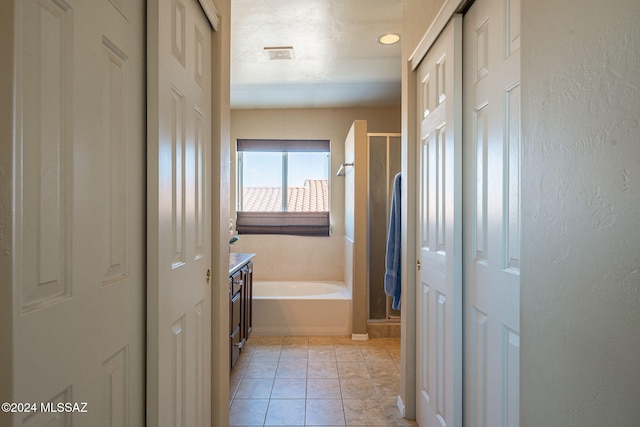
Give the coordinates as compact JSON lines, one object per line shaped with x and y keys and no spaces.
{"x":400,"y":405}
{"x":384,"y":329}
{"x":360,"y":337}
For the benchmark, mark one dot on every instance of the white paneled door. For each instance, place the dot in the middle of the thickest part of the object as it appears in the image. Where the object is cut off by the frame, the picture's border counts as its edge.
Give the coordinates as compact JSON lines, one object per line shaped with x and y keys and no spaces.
{"x":179,"y":214}
{"x":79,"y":272}
{"x":439,"y":217}
{"x":491,"y":263}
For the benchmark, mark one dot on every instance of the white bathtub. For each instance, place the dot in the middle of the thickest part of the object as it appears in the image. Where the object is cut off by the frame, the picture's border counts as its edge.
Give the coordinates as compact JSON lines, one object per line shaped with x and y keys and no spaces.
{"x":301,"y":308}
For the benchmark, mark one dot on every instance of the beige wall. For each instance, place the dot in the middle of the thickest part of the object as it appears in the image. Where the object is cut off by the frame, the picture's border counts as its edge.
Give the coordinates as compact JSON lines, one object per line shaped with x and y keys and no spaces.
{"x":349,"y":207}
{"x":349,"y":184}
{"x":220,"y":142}
{"x":294,"y":257}
{"x":417,"y":16}
{"x":580,"y":281}
{"x":356,"y":238}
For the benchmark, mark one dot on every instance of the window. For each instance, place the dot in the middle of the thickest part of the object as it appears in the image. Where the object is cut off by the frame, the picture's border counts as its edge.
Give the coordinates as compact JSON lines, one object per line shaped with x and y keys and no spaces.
{"x":283,"y":187}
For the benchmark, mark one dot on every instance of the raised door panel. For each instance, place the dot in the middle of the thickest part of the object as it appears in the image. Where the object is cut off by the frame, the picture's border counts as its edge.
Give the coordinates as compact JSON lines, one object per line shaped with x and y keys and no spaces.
{"x":45,"y":154}
{"x":80,"y":210}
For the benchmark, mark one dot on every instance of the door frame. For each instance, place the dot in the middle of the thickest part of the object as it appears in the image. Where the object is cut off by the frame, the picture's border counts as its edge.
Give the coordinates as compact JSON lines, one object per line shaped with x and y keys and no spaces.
{"x":220,"y":208}
{"x":407,"y":398}
{"x":8,"y":85}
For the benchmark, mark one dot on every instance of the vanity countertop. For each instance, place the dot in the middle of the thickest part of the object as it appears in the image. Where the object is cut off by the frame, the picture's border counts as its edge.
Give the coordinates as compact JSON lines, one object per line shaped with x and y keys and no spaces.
{"x":236,"y":261}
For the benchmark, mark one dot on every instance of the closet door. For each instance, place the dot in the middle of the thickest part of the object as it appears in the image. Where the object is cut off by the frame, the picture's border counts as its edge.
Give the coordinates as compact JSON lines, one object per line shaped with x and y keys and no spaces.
{"x":79,"y":263}
{"x":439,"y":218}
{"x":492,"y":212}
{"x":179,"y":214}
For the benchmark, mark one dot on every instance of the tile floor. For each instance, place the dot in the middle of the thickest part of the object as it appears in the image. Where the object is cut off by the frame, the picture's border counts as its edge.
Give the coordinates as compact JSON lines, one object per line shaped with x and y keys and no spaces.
{"x":316,"y":381}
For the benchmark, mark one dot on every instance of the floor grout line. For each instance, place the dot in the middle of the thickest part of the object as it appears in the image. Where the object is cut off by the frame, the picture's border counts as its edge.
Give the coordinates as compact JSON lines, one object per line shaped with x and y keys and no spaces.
{"x":376,"y":351}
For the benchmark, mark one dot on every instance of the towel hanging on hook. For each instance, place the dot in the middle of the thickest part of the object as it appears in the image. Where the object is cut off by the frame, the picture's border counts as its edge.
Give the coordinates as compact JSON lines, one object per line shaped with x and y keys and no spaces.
{"x":393,"y":260}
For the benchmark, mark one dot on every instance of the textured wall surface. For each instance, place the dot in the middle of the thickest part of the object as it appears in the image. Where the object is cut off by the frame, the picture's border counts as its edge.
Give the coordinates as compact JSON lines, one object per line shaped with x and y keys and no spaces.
{"x":580,"y":295}
{"x":416,"y":20}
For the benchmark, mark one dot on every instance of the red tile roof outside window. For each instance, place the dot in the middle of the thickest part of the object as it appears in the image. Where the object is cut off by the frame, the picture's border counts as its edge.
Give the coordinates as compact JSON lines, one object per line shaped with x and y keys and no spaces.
{"x":313,"y":197}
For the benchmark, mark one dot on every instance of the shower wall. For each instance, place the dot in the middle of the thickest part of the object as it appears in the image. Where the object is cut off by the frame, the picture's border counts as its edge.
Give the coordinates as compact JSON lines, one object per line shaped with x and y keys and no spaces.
{"x":355,"y":236}
{"x":384,"y":157}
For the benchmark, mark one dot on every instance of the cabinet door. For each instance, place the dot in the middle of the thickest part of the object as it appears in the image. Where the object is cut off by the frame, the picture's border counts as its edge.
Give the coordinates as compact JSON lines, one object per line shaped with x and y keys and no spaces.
{"x":231,"y":325}
{"x":247,"y":293}
{"x":235,"y":324}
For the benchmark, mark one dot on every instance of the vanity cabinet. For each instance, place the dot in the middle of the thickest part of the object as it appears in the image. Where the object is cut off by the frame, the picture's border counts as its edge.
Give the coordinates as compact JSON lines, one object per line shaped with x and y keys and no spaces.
{"x":247,"y":302}
{"x":240,"y":303}
{"x":235,"y":314}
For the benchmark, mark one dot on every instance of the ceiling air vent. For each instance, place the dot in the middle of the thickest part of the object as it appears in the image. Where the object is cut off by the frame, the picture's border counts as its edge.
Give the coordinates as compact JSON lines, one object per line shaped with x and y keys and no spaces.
{"x":279,"y":52}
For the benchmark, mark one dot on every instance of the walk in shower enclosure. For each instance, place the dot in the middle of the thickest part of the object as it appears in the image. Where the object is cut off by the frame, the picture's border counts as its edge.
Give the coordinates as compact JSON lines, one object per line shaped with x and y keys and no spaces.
{"x":371,"y":161}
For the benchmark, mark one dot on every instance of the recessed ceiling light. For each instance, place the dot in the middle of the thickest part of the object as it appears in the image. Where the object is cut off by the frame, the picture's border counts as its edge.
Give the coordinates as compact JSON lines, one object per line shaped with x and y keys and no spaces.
{"x":279,"y":52}
{"x":389,"y":38}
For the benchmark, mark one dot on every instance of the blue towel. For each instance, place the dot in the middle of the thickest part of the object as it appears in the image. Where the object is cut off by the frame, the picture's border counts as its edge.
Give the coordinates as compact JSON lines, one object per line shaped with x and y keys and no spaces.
{"x":393,"y":261}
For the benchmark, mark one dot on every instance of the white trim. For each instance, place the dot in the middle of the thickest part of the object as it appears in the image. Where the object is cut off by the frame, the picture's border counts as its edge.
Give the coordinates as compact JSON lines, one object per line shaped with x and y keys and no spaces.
{"x":449,"y":8}
{"x":400,"y":406}
{"x":360,"y":337}
{"x":211,"y":12}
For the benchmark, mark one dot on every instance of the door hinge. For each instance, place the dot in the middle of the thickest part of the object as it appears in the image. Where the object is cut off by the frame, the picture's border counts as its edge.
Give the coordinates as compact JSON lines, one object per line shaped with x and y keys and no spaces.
{"x":208,"y":276}
{"x":418,"y":265}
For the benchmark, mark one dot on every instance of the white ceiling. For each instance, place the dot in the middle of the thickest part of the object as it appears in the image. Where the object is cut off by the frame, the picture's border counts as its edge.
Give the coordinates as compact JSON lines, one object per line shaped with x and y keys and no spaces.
{"x":338,"y":61}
